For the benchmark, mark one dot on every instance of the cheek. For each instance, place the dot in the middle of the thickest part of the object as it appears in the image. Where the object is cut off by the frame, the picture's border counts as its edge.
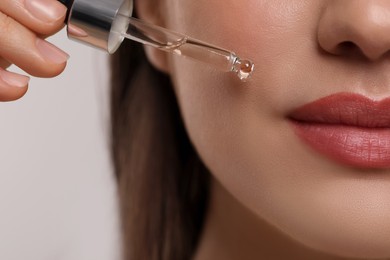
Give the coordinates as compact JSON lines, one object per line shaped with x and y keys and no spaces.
{"x":260,"y":30}
{"x":231,"y":123}
{"x":235,"y":126}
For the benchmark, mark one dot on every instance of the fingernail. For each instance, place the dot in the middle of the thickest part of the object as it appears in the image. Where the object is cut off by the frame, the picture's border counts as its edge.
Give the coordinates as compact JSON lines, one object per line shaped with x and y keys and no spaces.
{"x":50,"y":52}
{"x":14,"y":79}
{"x":46,"y":10}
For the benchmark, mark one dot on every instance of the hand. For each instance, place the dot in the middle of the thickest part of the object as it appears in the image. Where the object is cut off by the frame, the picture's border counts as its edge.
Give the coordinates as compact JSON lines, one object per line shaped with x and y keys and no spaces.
{"x":24,"y":24}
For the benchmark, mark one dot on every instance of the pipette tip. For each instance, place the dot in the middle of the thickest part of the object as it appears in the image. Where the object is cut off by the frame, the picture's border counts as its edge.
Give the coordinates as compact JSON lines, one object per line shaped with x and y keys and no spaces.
{"x":243,"y":68}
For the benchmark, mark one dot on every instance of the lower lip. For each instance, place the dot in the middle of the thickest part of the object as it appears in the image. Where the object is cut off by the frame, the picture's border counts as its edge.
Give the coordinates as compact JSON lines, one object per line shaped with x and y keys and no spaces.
{"x":354,"y":146}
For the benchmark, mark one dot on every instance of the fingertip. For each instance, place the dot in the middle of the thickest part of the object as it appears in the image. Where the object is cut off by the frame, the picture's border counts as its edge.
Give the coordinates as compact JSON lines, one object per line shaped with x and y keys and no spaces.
{"x":12,"y":86}
{"x":46,"y":71}
{"x":48,"y":11}
{"x":44,"y":17}
{"x":50,"y":52}
{"x":14,"y":79}
{"x":46,"y":61}
{"x":11,"y":93}
{"x":54,"y":60}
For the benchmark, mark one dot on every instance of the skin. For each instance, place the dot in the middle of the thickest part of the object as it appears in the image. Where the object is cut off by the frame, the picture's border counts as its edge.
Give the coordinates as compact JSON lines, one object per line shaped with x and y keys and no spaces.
{"x":273,"y":197}
{"x":24,"y":22}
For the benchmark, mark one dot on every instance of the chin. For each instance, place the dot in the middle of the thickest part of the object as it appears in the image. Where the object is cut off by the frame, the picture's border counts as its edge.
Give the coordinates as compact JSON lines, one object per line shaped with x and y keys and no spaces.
{"x":345,"y":216}
{"x":364,"y":236}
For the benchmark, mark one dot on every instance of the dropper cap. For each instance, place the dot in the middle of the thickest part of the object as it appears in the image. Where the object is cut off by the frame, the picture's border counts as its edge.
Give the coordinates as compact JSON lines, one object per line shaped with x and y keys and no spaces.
{"x":95,"y":22}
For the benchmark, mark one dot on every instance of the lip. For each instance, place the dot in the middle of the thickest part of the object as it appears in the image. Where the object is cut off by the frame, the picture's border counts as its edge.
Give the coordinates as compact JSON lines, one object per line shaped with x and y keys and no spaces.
{"x":348,"y":128}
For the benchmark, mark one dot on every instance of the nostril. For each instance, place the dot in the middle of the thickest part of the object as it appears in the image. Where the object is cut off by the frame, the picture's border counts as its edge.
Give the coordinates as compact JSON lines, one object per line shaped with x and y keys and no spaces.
{"x":347,"y":46}
{"x":349,"y":49}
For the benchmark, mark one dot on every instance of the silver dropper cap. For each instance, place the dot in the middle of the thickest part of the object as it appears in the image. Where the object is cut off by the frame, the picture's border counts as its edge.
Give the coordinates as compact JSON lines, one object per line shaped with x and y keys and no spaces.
{"x":95,"y":22}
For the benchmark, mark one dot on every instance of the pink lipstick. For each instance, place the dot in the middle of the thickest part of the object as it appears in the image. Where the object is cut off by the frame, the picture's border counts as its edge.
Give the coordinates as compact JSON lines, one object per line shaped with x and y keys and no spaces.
{"x":348,"y":128}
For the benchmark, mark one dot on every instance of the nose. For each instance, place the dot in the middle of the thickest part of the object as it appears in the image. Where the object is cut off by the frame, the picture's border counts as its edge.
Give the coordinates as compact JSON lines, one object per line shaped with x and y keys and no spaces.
{"x":356,"y":28}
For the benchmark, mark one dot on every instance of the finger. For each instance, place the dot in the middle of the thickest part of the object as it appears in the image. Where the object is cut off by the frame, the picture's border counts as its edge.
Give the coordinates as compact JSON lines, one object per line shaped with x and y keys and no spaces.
{"x":12,"y":86}
{"x":44,"y":17}
{"x":27,"y":51}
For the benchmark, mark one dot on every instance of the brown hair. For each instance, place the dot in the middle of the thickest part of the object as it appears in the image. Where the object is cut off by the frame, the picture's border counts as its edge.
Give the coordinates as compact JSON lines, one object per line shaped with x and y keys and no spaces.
{"x":163,"y":184}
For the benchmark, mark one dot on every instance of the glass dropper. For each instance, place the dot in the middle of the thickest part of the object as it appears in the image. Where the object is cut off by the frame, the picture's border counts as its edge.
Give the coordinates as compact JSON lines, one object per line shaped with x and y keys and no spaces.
{"x":185,"y":46}
{"x":106,"y":23}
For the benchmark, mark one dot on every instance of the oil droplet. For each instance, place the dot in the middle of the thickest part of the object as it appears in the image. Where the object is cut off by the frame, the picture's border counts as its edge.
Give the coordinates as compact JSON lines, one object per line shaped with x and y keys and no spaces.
{"x":243,"y":68}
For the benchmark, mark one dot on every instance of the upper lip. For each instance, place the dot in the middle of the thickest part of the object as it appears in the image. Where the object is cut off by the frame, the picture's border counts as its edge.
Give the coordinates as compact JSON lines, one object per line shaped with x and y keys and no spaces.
{"x":345,"y":109}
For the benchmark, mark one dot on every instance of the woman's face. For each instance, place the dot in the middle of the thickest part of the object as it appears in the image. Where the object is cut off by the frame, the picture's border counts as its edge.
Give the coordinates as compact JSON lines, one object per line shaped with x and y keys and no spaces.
{"x":317,"y":172}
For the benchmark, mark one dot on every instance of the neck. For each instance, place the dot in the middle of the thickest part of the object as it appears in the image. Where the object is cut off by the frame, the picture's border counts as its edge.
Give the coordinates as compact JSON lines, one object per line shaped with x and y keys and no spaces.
{"x":232,"y":232}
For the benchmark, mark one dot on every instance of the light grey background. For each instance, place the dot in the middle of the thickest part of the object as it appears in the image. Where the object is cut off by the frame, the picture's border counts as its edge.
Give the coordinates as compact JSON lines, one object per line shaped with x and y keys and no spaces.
{"x":57,"y":191}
